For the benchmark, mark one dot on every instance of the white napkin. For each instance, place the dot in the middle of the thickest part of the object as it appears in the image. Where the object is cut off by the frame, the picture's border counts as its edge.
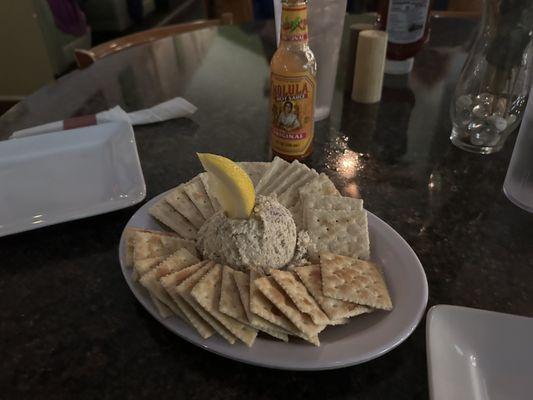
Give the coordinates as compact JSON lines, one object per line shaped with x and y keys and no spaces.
{"x":175,"y":108}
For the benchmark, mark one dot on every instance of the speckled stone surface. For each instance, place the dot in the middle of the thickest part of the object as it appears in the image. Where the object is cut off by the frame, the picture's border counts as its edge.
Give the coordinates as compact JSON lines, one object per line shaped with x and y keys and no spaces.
{"x":71,"y":329}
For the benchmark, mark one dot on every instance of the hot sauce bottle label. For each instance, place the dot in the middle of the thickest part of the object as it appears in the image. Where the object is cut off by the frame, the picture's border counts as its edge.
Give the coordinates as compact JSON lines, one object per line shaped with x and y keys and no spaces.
{"x":292,"y":113}
{"x":406,"y":20}
{"x":294,"y":24}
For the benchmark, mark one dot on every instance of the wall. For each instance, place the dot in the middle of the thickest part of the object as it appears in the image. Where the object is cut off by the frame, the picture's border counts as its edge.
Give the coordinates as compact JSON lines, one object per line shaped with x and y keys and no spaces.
{"x":24,"y":62}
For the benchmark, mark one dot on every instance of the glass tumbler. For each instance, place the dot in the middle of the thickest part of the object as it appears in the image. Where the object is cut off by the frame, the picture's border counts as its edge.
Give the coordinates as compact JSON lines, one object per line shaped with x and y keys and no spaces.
{"x":518,"y":184}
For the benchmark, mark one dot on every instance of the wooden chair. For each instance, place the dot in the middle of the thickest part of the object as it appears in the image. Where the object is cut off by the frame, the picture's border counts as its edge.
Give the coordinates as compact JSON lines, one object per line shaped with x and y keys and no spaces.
{"x":84,"y":58}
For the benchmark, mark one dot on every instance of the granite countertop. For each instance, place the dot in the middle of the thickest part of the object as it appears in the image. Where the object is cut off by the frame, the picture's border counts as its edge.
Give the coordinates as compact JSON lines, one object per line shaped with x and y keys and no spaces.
{"x":71,"y":328}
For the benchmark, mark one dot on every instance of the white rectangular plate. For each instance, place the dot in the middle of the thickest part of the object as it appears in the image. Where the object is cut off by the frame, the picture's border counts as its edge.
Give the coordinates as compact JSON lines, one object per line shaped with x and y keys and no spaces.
{"x":477,"y":354}
{"x":57,"y":177}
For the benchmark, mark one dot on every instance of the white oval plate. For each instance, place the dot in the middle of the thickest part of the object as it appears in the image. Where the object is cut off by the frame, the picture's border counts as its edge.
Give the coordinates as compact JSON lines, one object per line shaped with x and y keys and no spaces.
{"x":363,"y":338}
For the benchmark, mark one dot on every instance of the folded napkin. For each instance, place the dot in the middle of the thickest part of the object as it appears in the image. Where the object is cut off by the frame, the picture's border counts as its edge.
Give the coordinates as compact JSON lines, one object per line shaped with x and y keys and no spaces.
{"x":174,"y":108}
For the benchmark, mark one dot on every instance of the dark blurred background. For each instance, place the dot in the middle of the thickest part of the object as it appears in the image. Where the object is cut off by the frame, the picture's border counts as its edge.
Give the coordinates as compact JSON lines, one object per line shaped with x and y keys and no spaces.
{"x":38,"y":37}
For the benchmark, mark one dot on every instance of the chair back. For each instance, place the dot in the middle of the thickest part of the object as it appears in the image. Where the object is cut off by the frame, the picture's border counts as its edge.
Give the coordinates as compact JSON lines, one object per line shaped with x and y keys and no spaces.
{"x":84,"y":58}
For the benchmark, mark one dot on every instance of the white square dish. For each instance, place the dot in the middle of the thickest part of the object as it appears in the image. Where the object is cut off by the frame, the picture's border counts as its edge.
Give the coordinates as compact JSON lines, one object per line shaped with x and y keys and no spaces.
{"x":478,"y":354}
{"x":67,"y":175}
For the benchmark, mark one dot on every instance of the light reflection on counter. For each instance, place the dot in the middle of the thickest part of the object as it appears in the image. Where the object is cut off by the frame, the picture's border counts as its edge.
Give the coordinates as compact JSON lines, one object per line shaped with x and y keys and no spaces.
{"x":352,"y":190}
{"x":349,"y":163}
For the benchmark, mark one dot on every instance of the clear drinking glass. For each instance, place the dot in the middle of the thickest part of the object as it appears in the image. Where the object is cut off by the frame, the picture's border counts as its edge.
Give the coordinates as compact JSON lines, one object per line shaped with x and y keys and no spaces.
{"x":326,"y":22}
{"x":518,"y":184}
{"x":494,"y":84}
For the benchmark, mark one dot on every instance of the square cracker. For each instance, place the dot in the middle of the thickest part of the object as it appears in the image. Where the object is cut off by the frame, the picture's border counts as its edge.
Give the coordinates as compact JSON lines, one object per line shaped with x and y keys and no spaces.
{"x":341,"y":321}
{"x":169,"y":283}
{"x":335,"y":309}
{"x":195,"y":191}
{"x":242,"y":281}
{"x":297,"y":215}
{"x":331,"y":202}
{"x":179,"y":200}
{"x":151,"y":247}
{"x":264,"y":308}
{"x":131,"y":234}
{"x":334,"y":203}
{"x":162,"y":309}
{"x":204,"y":177}
{"x":150,"y":243}
{"x":179,"y":260}
{"x":285,"y":178}
{"x":358,"y":281}
{"x":207,"y":294}
{"x":168,"y":216}
{"x":276,"y":167}
{"x":141,"y":267}
{"x":290,"y":196}
{"x":129,"y":240}
{"x":339,"y":232}
{"x":184,"y":291}
{"x":320,"y":186}
{"x":303,"y":322}
{"x":300,"y":296}
{"x":255,"y":170}
{"x":230,"y":301}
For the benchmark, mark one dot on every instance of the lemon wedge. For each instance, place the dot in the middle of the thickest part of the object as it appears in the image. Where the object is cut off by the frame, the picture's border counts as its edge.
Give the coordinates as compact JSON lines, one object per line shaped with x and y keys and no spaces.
{"x":232,"y":187}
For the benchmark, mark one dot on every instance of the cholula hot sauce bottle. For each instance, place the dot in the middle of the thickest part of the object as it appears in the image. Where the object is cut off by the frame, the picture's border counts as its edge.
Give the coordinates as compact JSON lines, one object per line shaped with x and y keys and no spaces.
{"x":293,"y":86}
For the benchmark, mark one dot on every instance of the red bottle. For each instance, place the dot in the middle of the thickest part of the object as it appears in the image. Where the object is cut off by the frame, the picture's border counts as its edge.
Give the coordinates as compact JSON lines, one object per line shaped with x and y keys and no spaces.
{"x":406,"y":22}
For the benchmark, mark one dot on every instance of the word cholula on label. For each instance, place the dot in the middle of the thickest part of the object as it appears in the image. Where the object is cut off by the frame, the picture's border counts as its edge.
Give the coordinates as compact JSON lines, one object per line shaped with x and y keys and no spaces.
{"x":293,"y":113}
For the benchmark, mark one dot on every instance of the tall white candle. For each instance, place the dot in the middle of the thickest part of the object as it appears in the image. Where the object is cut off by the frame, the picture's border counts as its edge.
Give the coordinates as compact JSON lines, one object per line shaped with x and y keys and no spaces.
{"x":369,"y":66}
